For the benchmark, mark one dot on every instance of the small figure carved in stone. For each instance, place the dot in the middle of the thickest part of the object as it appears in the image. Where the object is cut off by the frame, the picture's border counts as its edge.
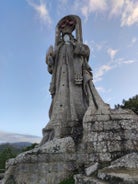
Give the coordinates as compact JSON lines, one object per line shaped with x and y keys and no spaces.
{"x":72,"y":90}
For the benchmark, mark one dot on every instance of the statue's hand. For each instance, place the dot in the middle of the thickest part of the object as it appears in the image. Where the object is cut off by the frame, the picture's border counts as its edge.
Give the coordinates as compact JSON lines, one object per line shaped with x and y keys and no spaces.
{"x":50,"y":56}
{"x":50,"y":59}
{"x":82,"y":49}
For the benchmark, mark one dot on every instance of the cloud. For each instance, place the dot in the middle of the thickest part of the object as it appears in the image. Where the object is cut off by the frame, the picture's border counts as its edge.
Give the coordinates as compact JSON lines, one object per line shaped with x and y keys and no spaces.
{"x":96,"y":47}
{"x":133,"y":41}
{"x":100,"y":89}
{"x":103,"y":90}
{"x":63,"y":7}
{"x":64,"y":2}
{"x":114,"y":61}
{"x":116,"y":7}
{"x":112,"y":52}
{"x":13,"y":137}
{"x":126,"y":10}
{"x":41,"y":10}
{"x":121,"y":61}
{"x":99,"y":46}
{"x":92,"y":6}
{"x":128,"y":61}
{"x":101,"y":71}
{"x":130,"y":13}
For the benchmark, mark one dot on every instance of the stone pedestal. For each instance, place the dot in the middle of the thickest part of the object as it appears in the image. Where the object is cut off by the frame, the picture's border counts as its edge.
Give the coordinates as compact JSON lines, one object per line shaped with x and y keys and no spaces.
{"x":109,"y":136}
{"x":110,"y":147}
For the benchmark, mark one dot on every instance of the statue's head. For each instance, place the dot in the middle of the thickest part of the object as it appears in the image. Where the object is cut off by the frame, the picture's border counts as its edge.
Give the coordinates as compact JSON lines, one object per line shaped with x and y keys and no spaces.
{"x":67,"y":25}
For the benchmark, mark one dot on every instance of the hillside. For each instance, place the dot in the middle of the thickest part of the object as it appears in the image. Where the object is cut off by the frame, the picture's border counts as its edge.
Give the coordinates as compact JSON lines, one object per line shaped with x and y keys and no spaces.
{"x":17,"y":145}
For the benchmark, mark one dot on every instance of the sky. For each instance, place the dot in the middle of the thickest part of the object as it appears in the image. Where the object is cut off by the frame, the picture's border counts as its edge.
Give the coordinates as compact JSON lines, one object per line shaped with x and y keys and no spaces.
{"x":27,"y":29}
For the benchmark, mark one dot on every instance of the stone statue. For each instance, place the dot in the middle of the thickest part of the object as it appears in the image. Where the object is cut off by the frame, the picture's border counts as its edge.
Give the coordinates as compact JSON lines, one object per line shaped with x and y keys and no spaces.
{"x":72,"y":89}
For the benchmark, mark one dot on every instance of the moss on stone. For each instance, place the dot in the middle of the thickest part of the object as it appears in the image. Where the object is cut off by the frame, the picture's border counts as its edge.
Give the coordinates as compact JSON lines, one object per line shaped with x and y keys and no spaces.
{"x":69,"y":180}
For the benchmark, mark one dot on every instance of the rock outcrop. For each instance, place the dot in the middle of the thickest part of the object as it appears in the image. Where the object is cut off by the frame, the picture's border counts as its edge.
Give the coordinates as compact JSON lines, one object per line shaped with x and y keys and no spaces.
{"x":107,"y":153}
{"x":123,"y":170}
{"x":46,"y":164}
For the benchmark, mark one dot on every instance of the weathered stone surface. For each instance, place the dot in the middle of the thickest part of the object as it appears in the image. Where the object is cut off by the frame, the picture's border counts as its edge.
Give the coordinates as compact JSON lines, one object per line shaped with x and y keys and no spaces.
{"x":48,"y":164}
{"x":127,"y":161}
{"x":121,"y":176}
{"x":123,"y":170}
{"x":59,"y":146}
{"x":120,"y":114}
{"x":91,"y":169}
{"x":96,"y":117}
{"x":111,"y":139}
{"x":82,"y":179}
{"x":105,"y":157}
{"x":40,"y":173}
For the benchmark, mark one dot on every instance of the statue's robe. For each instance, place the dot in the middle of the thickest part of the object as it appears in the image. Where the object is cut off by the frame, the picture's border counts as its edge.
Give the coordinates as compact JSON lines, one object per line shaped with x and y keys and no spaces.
{"x":69,"y":102}
{"x":72,"y":90}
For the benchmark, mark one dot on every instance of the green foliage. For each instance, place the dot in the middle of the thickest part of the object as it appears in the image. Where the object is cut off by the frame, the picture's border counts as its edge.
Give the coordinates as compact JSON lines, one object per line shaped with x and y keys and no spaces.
{"x":68,"y":181}
{"x":6,"y":154}
{"x":131,"y":103}
{"x":30,"y":147}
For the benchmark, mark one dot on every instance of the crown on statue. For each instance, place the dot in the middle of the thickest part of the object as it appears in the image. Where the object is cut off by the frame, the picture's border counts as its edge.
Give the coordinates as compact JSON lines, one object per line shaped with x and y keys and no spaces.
{"x":67,"y":25}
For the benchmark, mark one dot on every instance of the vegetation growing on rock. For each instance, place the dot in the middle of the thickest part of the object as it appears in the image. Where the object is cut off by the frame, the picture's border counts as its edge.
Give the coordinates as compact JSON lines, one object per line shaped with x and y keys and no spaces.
{"x":68,"y":181}
{"x":131,"y":103}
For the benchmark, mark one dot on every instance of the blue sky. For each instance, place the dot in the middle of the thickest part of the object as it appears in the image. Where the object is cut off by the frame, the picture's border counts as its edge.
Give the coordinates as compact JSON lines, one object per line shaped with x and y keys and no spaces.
{"x":110,"y":28}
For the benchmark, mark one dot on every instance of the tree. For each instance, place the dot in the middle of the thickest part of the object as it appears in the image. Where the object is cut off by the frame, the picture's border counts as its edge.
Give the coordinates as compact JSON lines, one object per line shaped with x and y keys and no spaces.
{"x":32,"y":146}
{"x":6,"y":154}
{"x":131,"y":103}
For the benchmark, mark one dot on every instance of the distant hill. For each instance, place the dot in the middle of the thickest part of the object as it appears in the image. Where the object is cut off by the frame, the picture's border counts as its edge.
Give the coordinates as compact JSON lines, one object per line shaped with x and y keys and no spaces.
{"x":18,"y":145}
{"x":21,"y":144}
{"x":6,"y":137}
{"x":12,"y":144}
